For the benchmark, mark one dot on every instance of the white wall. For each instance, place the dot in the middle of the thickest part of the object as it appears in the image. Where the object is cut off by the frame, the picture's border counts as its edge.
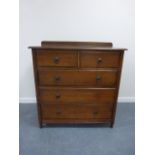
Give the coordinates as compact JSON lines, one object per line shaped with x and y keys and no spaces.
{"x":76,"y":20}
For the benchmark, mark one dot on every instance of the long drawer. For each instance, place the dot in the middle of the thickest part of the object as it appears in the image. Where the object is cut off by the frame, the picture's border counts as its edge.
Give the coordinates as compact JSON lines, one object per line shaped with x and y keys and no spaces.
{"x":78,"y":111}
{"x":76,"y":95}
{"x":90,"y":78}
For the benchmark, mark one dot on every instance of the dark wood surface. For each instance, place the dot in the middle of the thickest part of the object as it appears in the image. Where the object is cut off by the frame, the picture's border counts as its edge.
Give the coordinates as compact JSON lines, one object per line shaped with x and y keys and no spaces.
{"x":37,"y":87}
{"x":77,"y":82}
{"x":79,"y":78}
{"x":71,"y":48}
{"x":75,"y":44}
{"x":86,"y":121}
{"x":71,"y":45}
{"x":57,"y":58}
{"x":117,"y":89}
{"x":78,"y":95}
{"x":92,"y":59}
{"x":76,"y":111}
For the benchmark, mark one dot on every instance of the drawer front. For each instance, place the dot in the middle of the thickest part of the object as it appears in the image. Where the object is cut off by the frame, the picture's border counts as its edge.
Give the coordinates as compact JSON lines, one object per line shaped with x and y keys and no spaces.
{"x":100,"y":59}
{"x":57,"y":58}
{"x":91,"y":78}
{"x":75,"y":95}
{"x":77,"y":111}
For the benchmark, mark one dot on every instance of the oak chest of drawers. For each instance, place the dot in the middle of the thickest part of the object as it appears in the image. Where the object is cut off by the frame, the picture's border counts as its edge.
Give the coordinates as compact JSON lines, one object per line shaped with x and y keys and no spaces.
{"x":77,"y":82}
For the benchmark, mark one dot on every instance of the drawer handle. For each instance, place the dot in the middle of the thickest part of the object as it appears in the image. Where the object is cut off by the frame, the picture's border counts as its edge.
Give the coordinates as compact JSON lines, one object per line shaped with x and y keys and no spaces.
{"x":58,"y":96}
{"x":95,"y":112}
{"x":99,"y":60}
{"x":57,"y":78}
{"x":58,"y":112}
{"x":56,"y":60}
{"x":98,"y":78}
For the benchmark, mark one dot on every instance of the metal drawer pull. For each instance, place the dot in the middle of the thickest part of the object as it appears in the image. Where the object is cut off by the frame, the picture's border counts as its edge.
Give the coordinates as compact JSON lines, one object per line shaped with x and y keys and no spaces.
{"x":99,"y":60}
{"x":56,"y":60}
{"x":98,"y":78}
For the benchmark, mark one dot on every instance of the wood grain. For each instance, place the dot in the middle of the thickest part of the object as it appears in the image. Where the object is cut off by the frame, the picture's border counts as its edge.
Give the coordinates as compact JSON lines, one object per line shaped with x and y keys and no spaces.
{"x":103,"y":59}
{"x":75,"y":95}
{"x":89,"y":78}
{"x":76,"y":111}
{"x":75,"y":44}
{"x":77,"y":82}
{"x":57,"y":58}
{"x":37,"y":87}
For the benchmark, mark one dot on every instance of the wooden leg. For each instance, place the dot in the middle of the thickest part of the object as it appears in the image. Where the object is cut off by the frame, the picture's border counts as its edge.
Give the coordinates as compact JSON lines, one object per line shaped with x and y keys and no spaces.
{"x":112,"y":124}
{"x":43,"y":125}
{"x":40,"y":125}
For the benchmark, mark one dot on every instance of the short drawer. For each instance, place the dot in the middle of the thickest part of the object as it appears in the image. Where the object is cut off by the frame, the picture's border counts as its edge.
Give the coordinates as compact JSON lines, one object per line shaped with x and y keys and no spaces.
{"x":57,"y":58}
{"x":89,"y":78}
{"x":78,"y":111}
{"x":100,"y":59}
{"x":78,"y":95}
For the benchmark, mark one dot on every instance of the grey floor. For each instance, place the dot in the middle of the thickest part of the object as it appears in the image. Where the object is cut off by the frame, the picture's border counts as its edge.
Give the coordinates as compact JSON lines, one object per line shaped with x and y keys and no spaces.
{"x":77,"y":140}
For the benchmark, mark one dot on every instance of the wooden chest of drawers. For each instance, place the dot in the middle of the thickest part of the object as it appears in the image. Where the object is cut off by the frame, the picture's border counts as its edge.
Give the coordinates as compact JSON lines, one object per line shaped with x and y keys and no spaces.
{"x":76,"y":82}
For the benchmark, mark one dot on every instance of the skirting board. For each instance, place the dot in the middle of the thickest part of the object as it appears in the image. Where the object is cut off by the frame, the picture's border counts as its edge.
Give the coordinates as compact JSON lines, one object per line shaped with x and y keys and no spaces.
{"x":120,"y":100}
